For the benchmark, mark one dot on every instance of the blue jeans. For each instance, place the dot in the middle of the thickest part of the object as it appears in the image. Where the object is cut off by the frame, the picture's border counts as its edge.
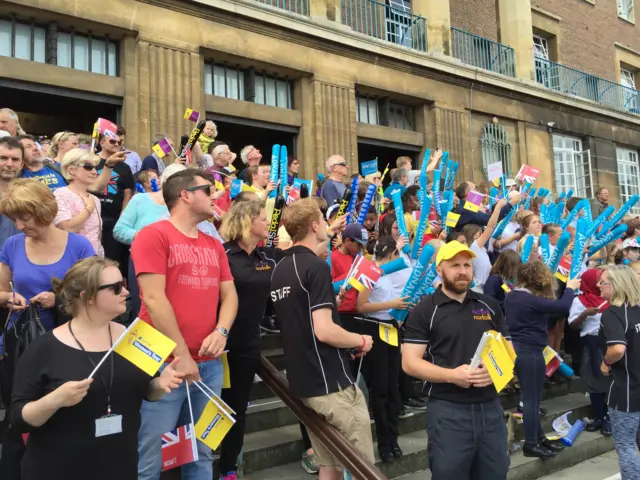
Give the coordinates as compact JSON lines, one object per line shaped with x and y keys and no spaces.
{"x":158,"y":418}
{"x":626,"y":435}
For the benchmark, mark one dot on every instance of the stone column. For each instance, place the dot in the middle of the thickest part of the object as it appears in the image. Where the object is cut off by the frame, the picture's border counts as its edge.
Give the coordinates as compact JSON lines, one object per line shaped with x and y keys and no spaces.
{"x":438,"y":23}
{"x":516,"y":30}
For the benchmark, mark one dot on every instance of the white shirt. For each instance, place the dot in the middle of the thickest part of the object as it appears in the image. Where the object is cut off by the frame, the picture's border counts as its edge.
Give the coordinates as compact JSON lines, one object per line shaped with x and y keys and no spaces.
{"x":388,"y":288}
{"x":509,"y":231}
{"x":481,"y":265}
{"x":591,"y":325}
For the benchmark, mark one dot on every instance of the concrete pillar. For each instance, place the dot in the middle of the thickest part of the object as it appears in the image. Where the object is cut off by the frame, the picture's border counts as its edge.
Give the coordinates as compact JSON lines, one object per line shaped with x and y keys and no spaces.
{"x":324,"y":10}
{"x":516,"y":30}
{"x":438,"y":18}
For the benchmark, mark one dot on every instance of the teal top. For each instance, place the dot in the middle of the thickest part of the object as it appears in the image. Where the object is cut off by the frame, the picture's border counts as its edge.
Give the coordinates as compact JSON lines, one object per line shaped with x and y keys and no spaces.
{"x":139,"y":212}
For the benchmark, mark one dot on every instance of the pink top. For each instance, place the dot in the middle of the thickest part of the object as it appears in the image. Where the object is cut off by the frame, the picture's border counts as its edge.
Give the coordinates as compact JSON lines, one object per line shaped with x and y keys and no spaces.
{"x":71,"y":204}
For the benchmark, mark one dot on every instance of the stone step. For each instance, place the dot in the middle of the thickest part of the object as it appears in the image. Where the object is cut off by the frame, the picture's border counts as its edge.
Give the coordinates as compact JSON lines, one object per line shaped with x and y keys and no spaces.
{"x":282,"y":445}
{"x":413,"y":465}
{"x":266,"y":413}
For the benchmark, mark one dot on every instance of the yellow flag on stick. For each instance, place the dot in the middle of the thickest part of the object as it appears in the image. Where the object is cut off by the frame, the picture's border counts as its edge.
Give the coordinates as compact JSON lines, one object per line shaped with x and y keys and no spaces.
{"x":388,"y":334}
{"x":144,"y":346}
{"x":213,"y":425}
{"x":452,"y":219}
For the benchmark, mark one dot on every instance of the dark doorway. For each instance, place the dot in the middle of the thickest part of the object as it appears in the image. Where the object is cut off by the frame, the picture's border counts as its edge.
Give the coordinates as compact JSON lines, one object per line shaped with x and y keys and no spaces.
{"x":386,"y":154}
{"x":238,"y":133}
{"x":46,"y":111}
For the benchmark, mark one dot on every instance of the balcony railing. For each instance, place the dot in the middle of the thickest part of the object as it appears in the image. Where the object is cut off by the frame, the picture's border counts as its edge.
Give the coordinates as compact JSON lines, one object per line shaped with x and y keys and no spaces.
{"x":482,"y":53}
{"x":380,"y":20}
{"x":301,"y":7}
{"x":580,"y":84}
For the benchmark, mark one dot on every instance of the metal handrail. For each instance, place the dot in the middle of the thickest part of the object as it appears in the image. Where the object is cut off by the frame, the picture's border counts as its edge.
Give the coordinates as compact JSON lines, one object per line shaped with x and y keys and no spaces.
{"x":357,"y":464}
{"x":383,"y":21}
{"x":301,"y":7}
{"x":577,"y":83}
{"x":483,"y":53}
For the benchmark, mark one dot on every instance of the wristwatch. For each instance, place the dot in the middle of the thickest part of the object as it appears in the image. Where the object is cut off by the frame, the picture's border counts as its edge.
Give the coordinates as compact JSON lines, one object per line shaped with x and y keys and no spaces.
{"x":223,"y":331}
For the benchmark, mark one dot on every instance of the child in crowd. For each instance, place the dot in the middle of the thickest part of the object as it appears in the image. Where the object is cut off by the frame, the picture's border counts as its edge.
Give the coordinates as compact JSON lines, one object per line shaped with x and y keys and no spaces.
{"x":208,"y":135}
{"x":503,"y":276}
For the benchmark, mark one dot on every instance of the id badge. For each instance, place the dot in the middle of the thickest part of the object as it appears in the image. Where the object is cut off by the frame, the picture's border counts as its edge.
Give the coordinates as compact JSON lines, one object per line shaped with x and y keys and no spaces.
{"x":108,"y":425}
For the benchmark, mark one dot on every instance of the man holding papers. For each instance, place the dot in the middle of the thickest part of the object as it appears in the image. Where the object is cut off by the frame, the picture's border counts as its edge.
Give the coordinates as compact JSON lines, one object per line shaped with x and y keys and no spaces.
{"x":183,"y":277}
{"x":465,"y":425}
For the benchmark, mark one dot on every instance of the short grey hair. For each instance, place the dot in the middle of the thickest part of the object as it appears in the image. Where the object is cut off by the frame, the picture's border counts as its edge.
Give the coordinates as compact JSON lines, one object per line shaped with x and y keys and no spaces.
{"x":245,"y":151}
{"x":218,"y":150}
{"x":158,"y":138}
{"x":14,"y":116}
{"x":399,"y":173}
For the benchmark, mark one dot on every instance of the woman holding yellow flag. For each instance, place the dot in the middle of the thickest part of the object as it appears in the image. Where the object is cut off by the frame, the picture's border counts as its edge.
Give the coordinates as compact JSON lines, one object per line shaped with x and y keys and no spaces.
{"x":82,"y":427}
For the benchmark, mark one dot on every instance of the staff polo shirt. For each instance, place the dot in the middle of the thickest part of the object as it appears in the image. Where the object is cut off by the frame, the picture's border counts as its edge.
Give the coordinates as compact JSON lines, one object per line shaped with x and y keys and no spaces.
{"x":621,"y":326}
{"x":452,"y":332}
{"x":301,"y":284}
{"x":252,"y":279}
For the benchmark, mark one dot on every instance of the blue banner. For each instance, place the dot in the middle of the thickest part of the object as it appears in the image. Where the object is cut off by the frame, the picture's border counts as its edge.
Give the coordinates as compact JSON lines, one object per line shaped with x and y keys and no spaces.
{"x":369,"y":168}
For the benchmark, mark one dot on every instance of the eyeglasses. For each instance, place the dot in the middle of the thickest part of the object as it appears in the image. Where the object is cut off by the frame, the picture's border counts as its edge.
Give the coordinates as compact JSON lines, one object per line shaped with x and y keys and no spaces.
{"x":205,"y":188}
{"x":603,"y":284}
{"x":341,"y":164}
{"x":113,"y":141}
{"x":89,"y":167}
{"x":116,"y":287}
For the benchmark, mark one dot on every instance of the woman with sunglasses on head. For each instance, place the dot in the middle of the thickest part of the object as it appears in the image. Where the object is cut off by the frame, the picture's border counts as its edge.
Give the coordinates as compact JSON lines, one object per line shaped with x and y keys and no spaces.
{"x":76,"y":424}
{"x":621,"y":330}
{"x":61,"y":143}
{"x":79,"y":210}
{"x":28,"y":262}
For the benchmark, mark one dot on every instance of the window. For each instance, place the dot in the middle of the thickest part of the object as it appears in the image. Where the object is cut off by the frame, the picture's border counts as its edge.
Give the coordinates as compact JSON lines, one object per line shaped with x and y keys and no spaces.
{"x":496,"y":148}
{"x":367,"y":110}
{"x":544,"y":70}
{"x":400,"y":116}
{"x":572,"y":166}
{"x":87,"y":53}
{"x":628,"y":172}
{"x":21,"y":40}
{"x":272,"y":91}
{"x":399,"y":22}
{"x":224,"y":81}
{"x":625,"y":9}
{"x":629,"y":92}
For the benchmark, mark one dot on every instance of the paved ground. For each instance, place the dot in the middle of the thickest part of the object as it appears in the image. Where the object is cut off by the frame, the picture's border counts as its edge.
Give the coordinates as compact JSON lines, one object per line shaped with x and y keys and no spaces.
{"x":604,"y":467}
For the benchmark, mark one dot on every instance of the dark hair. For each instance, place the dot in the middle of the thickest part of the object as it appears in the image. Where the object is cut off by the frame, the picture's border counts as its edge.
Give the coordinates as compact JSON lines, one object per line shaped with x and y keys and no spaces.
{"x":372,"y":210}
{"x":536,"y":277}
{"x":291,"y":159}
{"x":176,"y":183}
{"x":251,"y":171}
{"x":385,"y":247}
{"x":412,"y":191}
{"x":213,"y":145}
{"x":362,"y":190}
{"x":461,"y":190}
{"x":26,"y":136}
{"x":454,"y":235}
{"x":12,"y":144}
{"x":121,"y":130}
{"x":549,"y":228}
{"x":632,"y":225}
{"x":387,"y":224}
{"x":599,"y":190}
{"x":571,"y":203}
{"x":506,"y":266}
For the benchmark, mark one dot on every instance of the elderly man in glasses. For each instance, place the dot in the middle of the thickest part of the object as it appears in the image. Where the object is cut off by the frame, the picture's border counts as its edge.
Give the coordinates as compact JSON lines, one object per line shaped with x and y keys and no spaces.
{"x":334,"y":187}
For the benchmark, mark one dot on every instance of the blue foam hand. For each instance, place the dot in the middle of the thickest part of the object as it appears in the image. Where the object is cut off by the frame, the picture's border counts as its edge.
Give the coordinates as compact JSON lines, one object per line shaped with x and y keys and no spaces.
{"x":402,"y":226}
{"x":526,"y":249}
{"x":413,"y":284}
{"x":557,"y":254}
{"x":275,"y":164}
{"x":546,"y":250}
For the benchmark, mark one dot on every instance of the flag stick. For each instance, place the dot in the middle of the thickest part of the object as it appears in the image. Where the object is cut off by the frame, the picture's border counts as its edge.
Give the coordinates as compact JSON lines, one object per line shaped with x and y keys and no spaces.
{"x":194,"y":445}
{"x":217,"y":396}
{"x":197,"y":384}
{"x":135,"y":322}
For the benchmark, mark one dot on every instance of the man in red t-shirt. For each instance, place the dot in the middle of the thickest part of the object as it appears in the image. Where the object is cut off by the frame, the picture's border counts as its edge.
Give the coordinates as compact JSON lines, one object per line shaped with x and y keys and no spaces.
{"x":184,"y":280}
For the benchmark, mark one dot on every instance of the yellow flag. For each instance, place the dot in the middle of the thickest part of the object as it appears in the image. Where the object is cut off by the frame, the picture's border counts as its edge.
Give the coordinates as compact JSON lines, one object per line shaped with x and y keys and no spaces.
{"x":145,"y":347}
{"x":505,"y":343}
{"x":506,"y":288}
{"x":213,"y":425}
{"x":497,"y":361}
{"x":471,"y":206}
{"x":452,"y":219}
{"x":249,"y":188}
{"x":549,"y":354}
{"x":388,"y":334}
{"x":158,"y":149}
{"x":226,"y":374}
{"x":218,"y":185}
{"x":96,"y":131}
{"x":496,"y":182}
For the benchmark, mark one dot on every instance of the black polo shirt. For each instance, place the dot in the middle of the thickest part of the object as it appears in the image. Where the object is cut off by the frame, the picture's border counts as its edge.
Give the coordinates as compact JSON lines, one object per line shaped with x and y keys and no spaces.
{"x":301,"y":284}
{"x":252,"y":279}
{"x":621,"y":326}
{"x":452,"y":331}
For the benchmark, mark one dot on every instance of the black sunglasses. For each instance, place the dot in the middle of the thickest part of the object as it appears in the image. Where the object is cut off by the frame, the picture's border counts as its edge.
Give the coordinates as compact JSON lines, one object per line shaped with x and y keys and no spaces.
{"x":116,"y":287}
{"x":205,"y":188}
{"x":113,"y":141}
{"x":342,"y":164}
{"x":89,"y":166}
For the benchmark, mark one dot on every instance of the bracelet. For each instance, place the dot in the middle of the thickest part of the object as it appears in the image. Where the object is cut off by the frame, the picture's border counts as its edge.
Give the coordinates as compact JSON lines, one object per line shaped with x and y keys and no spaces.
{"x":364,"y":342}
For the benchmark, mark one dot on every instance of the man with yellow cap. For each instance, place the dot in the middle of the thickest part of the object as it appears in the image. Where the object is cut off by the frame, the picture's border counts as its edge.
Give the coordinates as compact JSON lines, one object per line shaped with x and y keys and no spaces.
{"x":466,"y":431}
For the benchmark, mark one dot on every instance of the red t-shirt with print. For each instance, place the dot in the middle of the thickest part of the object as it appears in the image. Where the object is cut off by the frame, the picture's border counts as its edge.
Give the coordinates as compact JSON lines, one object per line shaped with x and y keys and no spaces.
{"x":194,"y":269}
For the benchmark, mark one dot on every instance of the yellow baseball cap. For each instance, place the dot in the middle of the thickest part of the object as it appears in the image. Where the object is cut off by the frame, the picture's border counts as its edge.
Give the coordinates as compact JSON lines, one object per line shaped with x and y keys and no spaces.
{"x":451,"y":249}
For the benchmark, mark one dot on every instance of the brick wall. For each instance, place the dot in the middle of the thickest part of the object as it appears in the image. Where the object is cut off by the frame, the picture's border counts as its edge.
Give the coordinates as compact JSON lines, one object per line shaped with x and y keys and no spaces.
{"x":475,"y":16}
{"x":588,"y":32}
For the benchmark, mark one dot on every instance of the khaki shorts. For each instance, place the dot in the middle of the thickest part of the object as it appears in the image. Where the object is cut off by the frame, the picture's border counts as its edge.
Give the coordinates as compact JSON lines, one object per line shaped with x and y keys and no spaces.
{"x":347,"y":411}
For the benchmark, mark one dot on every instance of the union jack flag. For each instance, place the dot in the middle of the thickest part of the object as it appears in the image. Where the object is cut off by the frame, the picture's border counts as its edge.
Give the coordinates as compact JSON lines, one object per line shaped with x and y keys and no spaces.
{"x":178,"y":447}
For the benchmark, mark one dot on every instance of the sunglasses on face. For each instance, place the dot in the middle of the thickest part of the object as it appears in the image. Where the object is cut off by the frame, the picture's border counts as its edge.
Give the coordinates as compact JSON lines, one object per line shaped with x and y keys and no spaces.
{"x":88,"y":167}
{"x":115,"y":287}
{"x":205,"y":188}
{"x":113,"y":141}
{"x":341,"y":164}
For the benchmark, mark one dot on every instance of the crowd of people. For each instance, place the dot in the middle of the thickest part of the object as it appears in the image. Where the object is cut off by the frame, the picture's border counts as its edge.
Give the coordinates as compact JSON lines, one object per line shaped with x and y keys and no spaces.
{"x":94,"y":235}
